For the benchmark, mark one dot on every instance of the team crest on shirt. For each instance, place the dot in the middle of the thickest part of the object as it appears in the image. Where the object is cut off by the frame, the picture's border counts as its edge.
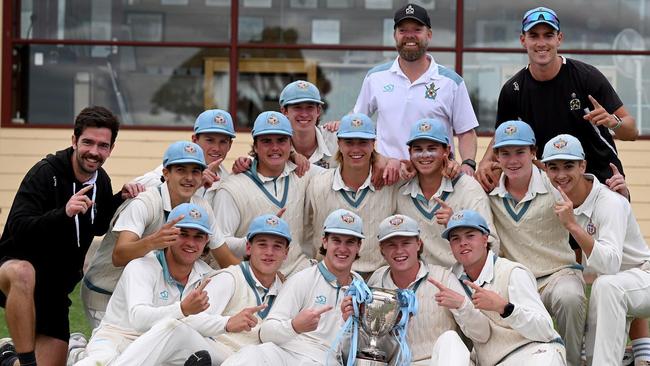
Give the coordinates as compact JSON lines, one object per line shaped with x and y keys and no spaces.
{"x":190,"y":149}
{"x":348,"y":219}
{"x":574,"y":103}
{"x":302,"y":85}
{"x":431,"y":91}
{"x":321,"y":300}
{"x":195,"y":214}
{"x":323,"y":164}
{"x":272,"y":221}
{"x":396,"y":221}
{"x":164,"y":295}
{"x":515,"y":86}
{"x":356,"y":123}
{"x":510,"y":130}
{"x":389,"y":88}
{"x":219,"y":119}
{"x":272,"y":120}
{"x":560,"y":143}
{"x":425,"y":127}
{"x":591,"y":228}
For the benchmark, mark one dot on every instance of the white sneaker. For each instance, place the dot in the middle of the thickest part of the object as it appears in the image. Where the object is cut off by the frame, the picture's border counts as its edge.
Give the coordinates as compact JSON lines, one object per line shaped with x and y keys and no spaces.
{"x":77,"y":340}
{"x":628,"y":357}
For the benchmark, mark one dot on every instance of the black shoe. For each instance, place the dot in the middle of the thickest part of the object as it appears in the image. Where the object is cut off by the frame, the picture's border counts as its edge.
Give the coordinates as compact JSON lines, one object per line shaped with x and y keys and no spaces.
{"x":8,"y":353}
{"x":199,"y":358}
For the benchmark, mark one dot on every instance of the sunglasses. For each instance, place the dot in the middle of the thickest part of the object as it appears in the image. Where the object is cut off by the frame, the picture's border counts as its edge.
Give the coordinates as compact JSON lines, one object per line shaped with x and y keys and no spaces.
{"x":542,"y":15}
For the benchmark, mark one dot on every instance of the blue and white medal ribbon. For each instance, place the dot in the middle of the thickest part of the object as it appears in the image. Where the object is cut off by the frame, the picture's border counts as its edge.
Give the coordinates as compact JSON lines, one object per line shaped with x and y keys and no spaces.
{"x":408,"y":307}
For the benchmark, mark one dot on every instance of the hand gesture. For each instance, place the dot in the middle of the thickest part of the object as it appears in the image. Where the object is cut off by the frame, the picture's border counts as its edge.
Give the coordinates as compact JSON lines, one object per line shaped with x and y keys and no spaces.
{"x":564,"y":210}
{"x":407,"y":170}
{"x":241,"y":164}
{"x":244,"y":320}
{"x":79,"y":202}
{"x":467,"y":169}
{"x":166,"y":235}
{"x":451,"y":169}
{"x":447,"y":297}
{"x":443,"y":213}
{"x":484,"y":299}
{"x":307,"y":319}
{"x":617,"y":182}
{"x":488,"y":174}
{"x":346,"y":308}
{"x":302,"y":163}
{"x":281,"y":212}
{"x":210,"y":175}
{"x":599,"y":116}
{"x":131,"y":190}
{"x":197,"y":300}
{"x":331,"y":126}
{"x":391,"y":172}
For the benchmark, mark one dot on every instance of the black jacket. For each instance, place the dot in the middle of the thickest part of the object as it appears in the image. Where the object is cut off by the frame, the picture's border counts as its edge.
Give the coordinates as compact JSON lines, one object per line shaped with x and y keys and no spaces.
{"x":38,"y":229}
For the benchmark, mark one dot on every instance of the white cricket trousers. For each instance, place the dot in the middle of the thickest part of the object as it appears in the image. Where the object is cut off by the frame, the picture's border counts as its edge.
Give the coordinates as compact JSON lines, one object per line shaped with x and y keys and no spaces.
{"x":449,"y":350}
{"x":170,"y":342}
{"x":615,"y":300}
{"x":94,"y":305}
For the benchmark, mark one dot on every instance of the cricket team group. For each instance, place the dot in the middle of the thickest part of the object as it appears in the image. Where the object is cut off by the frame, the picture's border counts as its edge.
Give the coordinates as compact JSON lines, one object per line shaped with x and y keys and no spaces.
{"x":267,"y":263}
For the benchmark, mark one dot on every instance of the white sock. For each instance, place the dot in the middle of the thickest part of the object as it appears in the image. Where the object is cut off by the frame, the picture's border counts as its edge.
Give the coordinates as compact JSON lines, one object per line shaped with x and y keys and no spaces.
{"x":641,"y":349}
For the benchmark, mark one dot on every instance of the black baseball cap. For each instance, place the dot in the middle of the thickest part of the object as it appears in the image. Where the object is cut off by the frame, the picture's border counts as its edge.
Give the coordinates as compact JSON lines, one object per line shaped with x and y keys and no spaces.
{"x":412,"y":11}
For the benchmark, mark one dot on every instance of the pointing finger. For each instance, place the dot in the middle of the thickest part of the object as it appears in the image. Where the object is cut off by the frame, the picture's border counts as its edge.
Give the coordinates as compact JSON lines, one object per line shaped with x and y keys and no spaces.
{"x":594,"y":101}
{"x":214,"y":166}
{"x":84,"y":190}
{"x":474,"y":286}
{"x":203,"y":284}
{"x":614,"y":169}
{"x":439,"y":285}
{"x":173,"y":222}
{"x":324,"y":309}
{"x":281,"y":212}
{"x":440,"y":202}
{"x":255,"y":309}
{"x":565,"y":198}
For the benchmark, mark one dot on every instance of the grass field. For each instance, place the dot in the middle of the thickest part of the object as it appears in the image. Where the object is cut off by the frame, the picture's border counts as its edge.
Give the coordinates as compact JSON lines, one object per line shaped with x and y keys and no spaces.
{"x":78,"y":322}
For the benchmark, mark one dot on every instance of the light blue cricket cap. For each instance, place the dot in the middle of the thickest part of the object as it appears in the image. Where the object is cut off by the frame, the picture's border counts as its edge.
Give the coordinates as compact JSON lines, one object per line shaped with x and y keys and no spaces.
{"x":344,"y":222}
{"x":514,"y":133}
{"x":214,"y":121}
{"x":269,"y":224}
{"x":397,"y":225}
{"x":300,"y":91}
{"x":184,"y":152}
{"x":429,"y":129}
{"x":272,"y":123}
{"x":466,"y":218}
{"x":194,"y":217}
{"x":356,"y":126}
{"x":563,"y":147}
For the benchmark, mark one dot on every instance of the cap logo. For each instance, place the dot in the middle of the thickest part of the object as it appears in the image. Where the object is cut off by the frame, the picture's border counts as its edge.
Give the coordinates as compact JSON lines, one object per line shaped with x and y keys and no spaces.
{"x":302,"y":85}
{"x":396,"y":221}
{"x":219,"y":119}
{"x":195,"y":214}
{"x":273,"y":120}
{"x":560,"y":144}
{"x":356,"y":123}
{"x":272,"y":221}
{"x":510,"y":130}
{"x":409,"y":10}
{"x":424,"y":127}
{"x":457,"y":216}
{"x":348,"y":219}
{"x":190,"y":149}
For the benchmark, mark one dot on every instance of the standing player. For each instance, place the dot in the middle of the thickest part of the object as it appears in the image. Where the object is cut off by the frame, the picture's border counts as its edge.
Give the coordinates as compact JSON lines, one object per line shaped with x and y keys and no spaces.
{"x":612,"y":244}
{"x":167,"y":283}
{"x":432,"y":333}
{"x":349,"y":186}
{"x":414,"y":87}
{"x":241,"y":296}
{"x":302,"y":326}
{"x":268,"y":187}
{"x":521,"y":330}
{"x":431,"y":197}
{"x":138,"y":227}
{"x":63,"y":202}
{"x":531,"y":234}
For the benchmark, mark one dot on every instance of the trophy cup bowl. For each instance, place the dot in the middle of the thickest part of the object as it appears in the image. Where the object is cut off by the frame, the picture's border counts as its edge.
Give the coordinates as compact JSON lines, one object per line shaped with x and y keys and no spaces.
{"x":377,"y":319}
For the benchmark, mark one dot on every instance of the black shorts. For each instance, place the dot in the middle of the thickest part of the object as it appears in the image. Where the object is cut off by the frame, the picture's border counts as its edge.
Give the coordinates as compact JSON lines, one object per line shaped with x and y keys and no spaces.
{"x":52,"y":305}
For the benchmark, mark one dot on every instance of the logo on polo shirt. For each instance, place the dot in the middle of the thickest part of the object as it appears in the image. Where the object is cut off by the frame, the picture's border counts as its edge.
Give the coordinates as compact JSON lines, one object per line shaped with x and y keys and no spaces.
{"x":164,"y":295}
{"x":219,"y":119}
{"x":560,"y":144}
{"x":389,"y":88}
{"x":510,"y":130}
{"x":574,"y":103}
{"x":515,"y":86}
{"x":272,"y":120}
{"x":431,"y":91}
{"x":195,"y":214}
{"x":591,"y":228}
{"x":321,"y":300}
{"x":190,"y":149}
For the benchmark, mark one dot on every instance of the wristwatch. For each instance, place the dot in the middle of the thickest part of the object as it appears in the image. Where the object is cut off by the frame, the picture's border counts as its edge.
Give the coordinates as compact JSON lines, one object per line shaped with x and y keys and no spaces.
{"x":619,"y":122}
{"x":470,"y":163}
{"x":507,"y":310}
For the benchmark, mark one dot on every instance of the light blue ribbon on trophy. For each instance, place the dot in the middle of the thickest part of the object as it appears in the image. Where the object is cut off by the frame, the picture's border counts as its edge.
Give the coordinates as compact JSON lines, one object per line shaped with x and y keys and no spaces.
{"x":408,"y":306}
{"x":360,"y":293}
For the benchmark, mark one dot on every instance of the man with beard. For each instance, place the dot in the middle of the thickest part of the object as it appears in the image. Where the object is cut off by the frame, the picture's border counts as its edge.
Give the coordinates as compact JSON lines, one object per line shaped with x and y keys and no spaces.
{"x":62,"y":203}
{"x":414,"y":87}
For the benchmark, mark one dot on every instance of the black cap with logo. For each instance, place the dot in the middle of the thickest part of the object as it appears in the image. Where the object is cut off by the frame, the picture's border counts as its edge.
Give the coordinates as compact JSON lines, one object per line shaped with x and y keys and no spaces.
{"x":412,"y":11}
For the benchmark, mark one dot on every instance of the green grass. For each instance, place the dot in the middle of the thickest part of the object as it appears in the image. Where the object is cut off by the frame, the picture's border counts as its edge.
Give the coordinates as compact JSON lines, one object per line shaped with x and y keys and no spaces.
{"x":78,"y":322}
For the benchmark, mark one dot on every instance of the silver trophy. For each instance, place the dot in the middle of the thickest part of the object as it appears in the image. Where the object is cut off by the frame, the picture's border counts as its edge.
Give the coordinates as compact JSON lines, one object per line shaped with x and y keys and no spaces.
{"x":377,"y":319}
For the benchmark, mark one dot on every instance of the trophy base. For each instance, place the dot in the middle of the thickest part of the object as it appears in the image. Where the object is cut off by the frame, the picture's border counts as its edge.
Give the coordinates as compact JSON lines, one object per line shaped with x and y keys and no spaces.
{"x":366,"y":362}
{"x":371,"y":358}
